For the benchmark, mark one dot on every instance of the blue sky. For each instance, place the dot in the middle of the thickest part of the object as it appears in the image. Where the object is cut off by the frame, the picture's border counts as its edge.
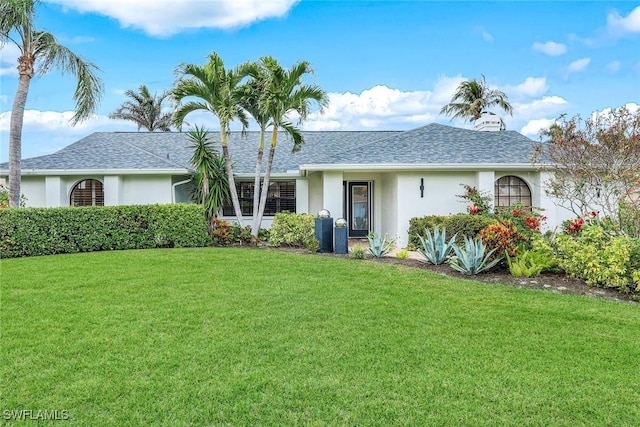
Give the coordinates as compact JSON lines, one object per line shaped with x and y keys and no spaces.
{"x":385,"y":64}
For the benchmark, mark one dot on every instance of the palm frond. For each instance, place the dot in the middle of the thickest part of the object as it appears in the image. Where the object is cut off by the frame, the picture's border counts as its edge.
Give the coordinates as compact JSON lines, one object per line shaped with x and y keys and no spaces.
{"x":472,"y":98}
{"x":89,"y":87}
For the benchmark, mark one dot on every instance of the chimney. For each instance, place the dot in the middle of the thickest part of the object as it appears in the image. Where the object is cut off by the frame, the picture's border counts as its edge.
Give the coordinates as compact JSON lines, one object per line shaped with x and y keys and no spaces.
{"x":489,"y":122}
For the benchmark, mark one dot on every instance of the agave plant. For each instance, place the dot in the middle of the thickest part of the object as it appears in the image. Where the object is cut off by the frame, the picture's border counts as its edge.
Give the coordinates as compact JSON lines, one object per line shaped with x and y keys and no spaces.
{"x":474,"y":258}
{"x":380,"y":245}
{"x":435,"y":248}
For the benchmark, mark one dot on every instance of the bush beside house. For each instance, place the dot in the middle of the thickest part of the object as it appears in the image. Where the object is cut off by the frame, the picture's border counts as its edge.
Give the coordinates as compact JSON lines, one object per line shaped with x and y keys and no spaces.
{"x":46,"y":231}
{"x":599,"y":251}
{"x":293,"y":229}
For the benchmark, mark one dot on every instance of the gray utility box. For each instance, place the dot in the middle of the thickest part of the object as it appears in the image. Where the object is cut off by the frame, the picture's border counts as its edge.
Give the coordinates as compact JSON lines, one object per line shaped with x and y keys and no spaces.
{"x":324,"y":234}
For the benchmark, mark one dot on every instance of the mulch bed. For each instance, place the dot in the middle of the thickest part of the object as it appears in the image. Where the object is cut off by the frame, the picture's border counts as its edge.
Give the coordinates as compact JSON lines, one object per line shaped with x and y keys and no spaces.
{"x":553,"y":282}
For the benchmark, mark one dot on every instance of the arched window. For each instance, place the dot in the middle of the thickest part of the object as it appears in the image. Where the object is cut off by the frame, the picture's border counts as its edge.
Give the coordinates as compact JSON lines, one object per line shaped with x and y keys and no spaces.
{"x":88,"y":192}
{"x":510,"y":190}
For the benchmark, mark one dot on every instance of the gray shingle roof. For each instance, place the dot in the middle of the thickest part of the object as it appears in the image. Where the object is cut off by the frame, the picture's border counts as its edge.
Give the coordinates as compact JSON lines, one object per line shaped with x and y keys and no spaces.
{"x":440,"y":144}
{"x":431,"y":144}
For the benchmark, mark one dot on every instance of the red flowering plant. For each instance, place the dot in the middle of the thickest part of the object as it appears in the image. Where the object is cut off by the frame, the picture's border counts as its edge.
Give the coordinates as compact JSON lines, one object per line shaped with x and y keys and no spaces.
{"x":527,"y":220}
{"x":473,"y":209}
{"x":574,"y":226}
{"x":479,"y":202}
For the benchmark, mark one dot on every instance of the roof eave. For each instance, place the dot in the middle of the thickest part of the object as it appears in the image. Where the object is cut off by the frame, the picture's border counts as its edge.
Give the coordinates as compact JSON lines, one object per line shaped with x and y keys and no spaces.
{"x":98,"y":171}
{"x":417,"y":166}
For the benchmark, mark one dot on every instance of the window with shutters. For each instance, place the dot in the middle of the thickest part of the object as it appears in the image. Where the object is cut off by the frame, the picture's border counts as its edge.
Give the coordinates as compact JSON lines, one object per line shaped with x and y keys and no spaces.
{"x":88,"y":192}
{"x":280,"y":198}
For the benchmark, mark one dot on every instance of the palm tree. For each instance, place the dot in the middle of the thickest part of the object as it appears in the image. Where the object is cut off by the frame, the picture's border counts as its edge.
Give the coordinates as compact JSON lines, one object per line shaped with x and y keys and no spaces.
{"x":145,"y":110}
{"x":472,"y":98}
{"x":209,"y":176}
{"x":252,"y":101}
{"x":283,"y":93}
{"x":218,"y":90}
{"x":39,"y":53}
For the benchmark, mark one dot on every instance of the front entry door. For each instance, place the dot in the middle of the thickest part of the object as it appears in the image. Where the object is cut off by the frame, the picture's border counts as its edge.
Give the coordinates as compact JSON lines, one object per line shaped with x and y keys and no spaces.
{"x":359,"y":208}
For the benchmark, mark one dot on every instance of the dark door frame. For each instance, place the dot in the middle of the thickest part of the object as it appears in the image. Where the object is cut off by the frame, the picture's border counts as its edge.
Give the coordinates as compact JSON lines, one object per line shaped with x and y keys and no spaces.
{"x":357,"y":228}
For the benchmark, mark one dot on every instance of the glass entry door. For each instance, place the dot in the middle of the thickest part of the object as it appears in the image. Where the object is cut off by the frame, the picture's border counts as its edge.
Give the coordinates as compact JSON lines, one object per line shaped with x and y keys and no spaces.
{"x":359,"y":208}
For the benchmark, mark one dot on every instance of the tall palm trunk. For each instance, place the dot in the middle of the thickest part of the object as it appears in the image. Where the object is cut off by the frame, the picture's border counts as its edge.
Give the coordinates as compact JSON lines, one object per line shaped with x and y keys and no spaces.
{"x":267,"y":174}
{"x":15,"y":138}
{"x":255,"y":228}
{"x":232,"y":182}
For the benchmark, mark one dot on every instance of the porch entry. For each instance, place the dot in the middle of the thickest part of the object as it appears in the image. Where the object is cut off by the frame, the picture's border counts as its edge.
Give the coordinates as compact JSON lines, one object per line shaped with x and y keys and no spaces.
{"x":358,"y":205}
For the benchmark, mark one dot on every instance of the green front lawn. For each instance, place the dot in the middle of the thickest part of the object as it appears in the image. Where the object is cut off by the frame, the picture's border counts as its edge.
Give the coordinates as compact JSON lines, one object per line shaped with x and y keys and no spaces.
{"x":257,"y":337}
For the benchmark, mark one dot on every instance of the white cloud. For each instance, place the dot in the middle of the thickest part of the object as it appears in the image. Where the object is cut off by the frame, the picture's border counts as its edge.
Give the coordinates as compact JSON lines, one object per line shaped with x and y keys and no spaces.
{"x":538,"y":108}
{"x":9,"y":54}
{"x":550,"y":48}
{"x":631,"y":107}
{"x":35,"y":120}
{"x":619,"y":25}
{"x":531,"y":87}
{"x":377,"y":108}
{"x":486,"y":36}
{"x":167,"y":17}
{"x":533,"y":127}
{"x":77,"y":39}
{"x":578,"y":65}
{"x":384,"y":108}
{"x":44,"y":132}
{"x":445,"y":87}
{"x":614,"y":66}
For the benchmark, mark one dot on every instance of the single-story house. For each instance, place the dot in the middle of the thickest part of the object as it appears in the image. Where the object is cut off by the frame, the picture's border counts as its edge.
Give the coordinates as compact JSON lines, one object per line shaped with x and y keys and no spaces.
{"x":376,"y":180}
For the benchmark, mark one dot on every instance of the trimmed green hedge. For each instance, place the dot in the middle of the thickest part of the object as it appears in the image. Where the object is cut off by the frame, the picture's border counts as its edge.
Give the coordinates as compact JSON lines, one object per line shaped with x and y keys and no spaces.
{"x":461,"y":224}
{"x":293,"y":229}
{"x":46,"y":231}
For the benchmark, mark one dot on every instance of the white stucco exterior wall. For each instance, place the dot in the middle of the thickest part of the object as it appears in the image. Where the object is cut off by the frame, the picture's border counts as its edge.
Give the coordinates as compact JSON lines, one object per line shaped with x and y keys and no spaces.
{"x":34,"y":189}
{"x":485,"y":183}
{"x":302,"y":195}
{"x":113,"y":190}
{"x":332,"y":197}
{"x":146,"y":190}
{"x":440,"y":190}
{"x":55,"y":191}
{"x":389,"y":204}
{"x":551,"y":207}
{"x":315,"y":189}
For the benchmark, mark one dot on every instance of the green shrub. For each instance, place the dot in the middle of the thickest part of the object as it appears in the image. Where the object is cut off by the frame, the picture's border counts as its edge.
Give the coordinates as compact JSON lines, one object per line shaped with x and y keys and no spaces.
{"x":403,"y":254}
{"x":600,"y":258}
{"x":629,"y":214}
{"x":292,"y":229}
{"x":531,"y":263}
{"x":46,"y":231}
{"x":418,"y":225}
{"x":459,"y":224}
{"x":465,"y":225}
{"x":358,"y":252}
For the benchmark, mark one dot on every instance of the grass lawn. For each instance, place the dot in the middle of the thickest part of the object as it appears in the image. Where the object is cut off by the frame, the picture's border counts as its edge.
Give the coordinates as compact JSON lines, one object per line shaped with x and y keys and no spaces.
{"x":257,"y":337}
